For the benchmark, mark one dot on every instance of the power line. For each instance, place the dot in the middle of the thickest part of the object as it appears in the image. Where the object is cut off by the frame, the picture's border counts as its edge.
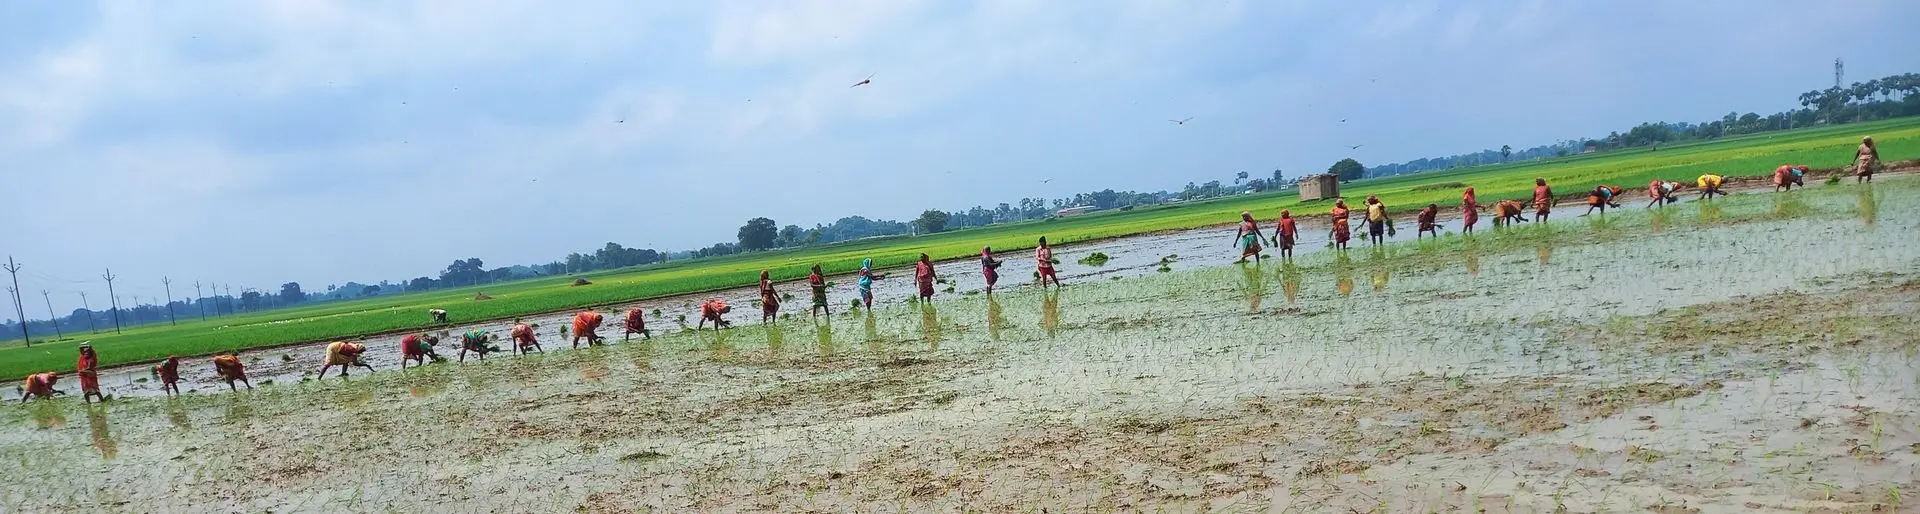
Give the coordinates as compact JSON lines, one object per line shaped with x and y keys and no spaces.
{"x":115,"y":299}
{"x":13,"y":269}
{"x":168,"y":283}
{"x":51,"y":317}
{"x":89,"y":309}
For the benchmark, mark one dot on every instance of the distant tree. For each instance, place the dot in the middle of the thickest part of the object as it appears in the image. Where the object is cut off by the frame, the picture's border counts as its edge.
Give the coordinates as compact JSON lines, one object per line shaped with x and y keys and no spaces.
{"x":932,"y":221}
{"x":251,"y":299}
{"x":420,"y":284}
{"x":1348,"y":170}
{"x":370,"y":291}
{"x":290,"y":293}
{"x":1506,"y":152}
{"x":1240,"y":177}
{"x":466,"y":271}
{"x":1277,"y":179}
{"x":758,"y":234}
{"x":790,"y":235}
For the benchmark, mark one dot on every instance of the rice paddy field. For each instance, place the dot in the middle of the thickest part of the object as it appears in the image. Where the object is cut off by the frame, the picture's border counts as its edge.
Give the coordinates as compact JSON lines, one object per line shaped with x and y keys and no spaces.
{"x":1826,"y":147}
{"x":1756,"y":353}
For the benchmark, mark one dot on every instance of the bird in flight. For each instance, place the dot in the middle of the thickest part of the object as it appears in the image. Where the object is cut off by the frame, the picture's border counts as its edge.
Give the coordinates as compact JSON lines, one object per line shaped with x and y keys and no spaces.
{"x":1046,"y":181}
{"x":1182,"y":121}
{"x":1343,"y":120}
{"x":620,"y":121}
{"x":1355,"y":147}
{"x":862,"y":82}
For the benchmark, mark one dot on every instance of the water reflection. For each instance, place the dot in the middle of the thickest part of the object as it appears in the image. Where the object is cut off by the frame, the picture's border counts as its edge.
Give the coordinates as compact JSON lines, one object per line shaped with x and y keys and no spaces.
{"x":1473,"y":263}
{"x":1290,"y":282}
{"x":823,"y":334}
{"x":776,"y":338}
{"x":177,"y":414}
{"x":98,"y":430}
{"x":1658,"y":221}
{"x":1050,"y":312}
{"x":719,"y":344}
{"x":1546,"y":254}
{"x":48,"y":415}
{"x":1709,"y":212}
{"x":1380,"y":276}
{"x":239,"y":408}
{"x":1869,"y":208}
{"x":930,"y":325}
{"x":429,"y":383}
{"x":1342,"y":274}
{"x":994,"y":318}
{"x":592,"y":370}
{"x":1255,"y":287}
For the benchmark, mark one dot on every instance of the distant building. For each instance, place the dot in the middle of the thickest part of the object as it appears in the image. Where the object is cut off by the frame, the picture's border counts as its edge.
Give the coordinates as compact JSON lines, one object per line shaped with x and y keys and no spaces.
{"x":1075,"y":210}
{"x":1315,"y":187}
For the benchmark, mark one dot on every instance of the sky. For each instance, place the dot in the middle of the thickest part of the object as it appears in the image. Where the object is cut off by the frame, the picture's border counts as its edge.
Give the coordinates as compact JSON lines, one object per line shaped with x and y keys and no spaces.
{"x":252,"y":143}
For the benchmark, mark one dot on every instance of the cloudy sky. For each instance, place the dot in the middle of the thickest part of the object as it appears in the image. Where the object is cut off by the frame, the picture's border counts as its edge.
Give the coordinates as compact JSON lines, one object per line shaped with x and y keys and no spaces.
{"x":257,"y":142}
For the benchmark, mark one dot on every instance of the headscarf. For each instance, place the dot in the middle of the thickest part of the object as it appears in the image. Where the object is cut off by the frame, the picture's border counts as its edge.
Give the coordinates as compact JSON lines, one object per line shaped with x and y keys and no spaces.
{"x":1284,"y":214}
{"x":763,"y":274}
{"x":986,"y":252}
{"x":866,"y":264}
{"x":1246,"y":216}
{"x":866,"y":274}
{"x":924,"y":258}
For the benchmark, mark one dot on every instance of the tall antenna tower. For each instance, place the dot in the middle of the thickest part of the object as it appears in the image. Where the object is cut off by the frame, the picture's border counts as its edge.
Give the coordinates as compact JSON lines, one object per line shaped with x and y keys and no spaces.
{"x":1839,"y":72}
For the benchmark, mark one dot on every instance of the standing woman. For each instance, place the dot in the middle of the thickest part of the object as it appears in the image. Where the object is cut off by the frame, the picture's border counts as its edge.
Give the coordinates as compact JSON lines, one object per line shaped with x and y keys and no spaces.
{"x":866,"y":283}
{"x":1285,"y":235}
{"x":1044,"y":256}
{"x":1248,"y":238}
{"x":818,"y":282}
{"x":1864,"y":159}
{"x":769,"y":299}
{"x":1341,"y":231}
{"x":1377,"y":222}
{"x":88,"y":367}
{"x":923,"y":277}
{"x":1542,"y":200}
{"x":989,"y":267}
{"x":1469,"y":211}
{"x":168,"y":372}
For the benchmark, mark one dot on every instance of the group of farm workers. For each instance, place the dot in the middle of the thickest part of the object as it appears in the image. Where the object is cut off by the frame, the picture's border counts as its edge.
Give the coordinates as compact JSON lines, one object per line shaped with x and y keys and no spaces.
{"x":418,"y":348}
{"x":1660,"y":192}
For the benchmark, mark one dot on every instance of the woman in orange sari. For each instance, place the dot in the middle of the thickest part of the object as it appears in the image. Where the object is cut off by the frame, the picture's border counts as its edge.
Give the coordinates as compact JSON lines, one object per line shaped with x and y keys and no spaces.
{"x":587,"y":324}
{"x":168,"y":373}
{"x":769,"y":299}
{"x":1469,"y":211}
{"x":636,"y":324}
{"x":712,"y":310}
{"x":1426,"y":222}
{"x":1341,"y":230}
{"x":1542,"y":200}
{"x":39,"y":385}
{"x":229,"y":368}
{"x":1284,"y":236}
{"x":88,"y":367}
{"x":523,"y":338}
{"x":1865,"y":159}
{"x":923,"y":277}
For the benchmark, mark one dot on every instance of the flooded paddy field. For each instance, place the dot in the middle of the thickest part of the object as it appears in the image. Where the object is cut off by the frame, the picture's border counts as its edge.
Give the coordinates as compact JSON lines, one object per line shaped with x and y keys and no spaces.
{"x":1755,"y":353}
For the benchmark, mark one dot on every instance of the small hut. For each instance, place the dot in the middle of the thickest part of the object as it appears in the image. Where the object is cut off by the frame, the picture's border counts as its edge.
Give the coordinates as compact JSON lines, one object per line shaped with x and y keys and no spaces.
{"x":1315,"y":187}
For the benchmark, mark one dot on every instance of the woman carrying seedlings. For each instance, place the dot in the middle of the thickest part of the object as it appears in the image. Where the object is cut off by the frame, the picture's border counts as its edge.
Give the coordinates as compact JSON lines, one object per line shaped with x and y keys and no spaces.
{"x":1044,"y":257}
{"x":229,"y":368}
{"x":1248,"y":238}
{"x":712,"y":311}
{"x":817,"y":282}
{"x":865,"y":282}
{"x":523,"y":338}
{"x":345,"y":355}
{"x":1469,"y":211}
{"x":417,"y":348}
{"x":769,"y":299}
{"x":1377,"y":223}
{"x":923,"y":277}
{"x":168,"y":373}
{"x":1710,"y":185}
{"x":1341,"y":231}
{"x":636,"y":324}
{"x":1426,"y":222}
{"x":587,"y":324}
{"x":39,"y":385}
{"x":1864,"y":160}
{"x":1542,"y":199}
{"x":88,"y":368}
{"x":989,"y":267}
{"x":1285,"y":235}
{"x":1788,"y":175}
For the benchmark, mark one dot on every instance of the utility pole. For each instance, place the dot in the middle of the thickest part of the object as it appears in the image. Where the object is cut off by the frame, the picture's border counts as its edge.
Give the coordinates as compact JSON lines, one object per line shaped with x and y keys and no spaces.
{"x":89,"y":309}
{"x":168,"y":283}
{"x":54,"y":318}
{"x":200,"y":300}
{"x":14,"y":270}
{"x":113,"y":298}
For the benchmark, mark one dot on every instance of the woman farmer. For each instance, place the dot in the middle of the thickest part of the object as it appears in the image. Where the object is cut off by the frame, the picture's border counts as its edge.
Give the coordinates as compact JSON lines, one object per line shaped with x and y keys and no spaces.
{"x":923,"y":277}
{"x":1341,"y":231}
{"x":1710,"y":185}
{"x":39,"y":385}
{"x":417,"y":348}
{"x":817,"y":282}
{"x":345,"y":355}
{"x":1507,"y":212}
{"x":229,"y":368}
{"x":769,"y":299}
{"x":168,"y":373}
{"x":1377,"y":223}
{"x":1469,"y":211}
{"x":1248,"y":238}
{"x":523,"y":338}
{"x":1542,"y":200}
{"x":1601,"y":198}
{"x":1284,"y":236}
{"x":865,"y":282}
{"x":1043,"y":256}
{"x":636,"y":323}
{"x":712,"y":310}
{"x":477,"y":341}
{"x":587,"y":324}
{"x":1426,"y":222}
{"x":1864,"y":160}
{"x":88,"y":368}
{"x":1661,"y":192}
{"x":989,"y":267}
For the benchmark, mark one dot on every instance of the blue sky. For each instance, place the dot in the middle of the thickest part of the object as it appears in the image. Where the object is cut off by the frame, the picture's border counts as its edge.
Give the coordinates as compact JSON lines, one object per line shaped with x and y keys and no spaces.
{"x":258,"y":142}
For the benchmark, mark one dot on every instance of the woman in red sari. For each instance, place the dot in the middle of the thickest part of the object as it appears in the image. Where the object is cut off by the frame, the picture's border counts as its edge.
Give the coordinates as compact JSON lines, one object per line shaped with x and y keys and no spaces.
{"x":417,"y":348}
{"x":1426,"y":222}
{"x":587,"y":324}
{"x":1542,"y":200}
{"x":989,"y":267}
{"x":168,"y":373}
{"x":923,"y":277}
{"x":1284,"y":237}
{"x":523,"y":338}
{"x":1044,"y":258}
{"x":636,"y":324}
{"x":88,"y":368}
{"x":712,"y":311}
{"x":1469,"y":211}
{"x":769,"y":299}
{"x":1341,"y":229}
{"x":39,"y":385}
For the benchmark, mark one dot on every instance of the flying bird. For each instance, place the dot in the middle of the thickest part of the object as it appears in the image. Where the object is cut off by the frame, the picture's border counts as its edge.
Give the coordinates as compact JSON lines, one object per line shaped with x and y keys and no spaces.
{"x":862,"y":82}
{"x":1343,"y":120}
{"x":1355,"y":147}
{"x":620,"y":121}
{"x":1046,"y":181}
{"x":1182,"y":121}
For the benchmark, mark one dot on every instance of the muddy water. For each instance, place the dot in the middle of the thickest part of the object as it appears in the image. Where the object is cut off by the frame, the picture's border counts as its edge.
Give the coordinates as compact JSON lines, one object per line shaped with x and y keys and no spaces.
{"x":975,"y":401}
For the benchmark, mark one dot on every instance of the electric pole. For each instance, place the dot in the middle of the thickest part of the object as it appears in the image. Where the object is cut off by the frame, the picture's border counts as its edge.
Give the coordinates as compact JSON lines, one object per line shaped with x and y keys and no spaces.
{"x":168,"y":283}
{"x":200,"y":300}
{"x":1839,"y":71}
{"x":113,"y":299}
{"x":54,"y":318}
{"x":14,"y":270}
{"x":89,"y":309}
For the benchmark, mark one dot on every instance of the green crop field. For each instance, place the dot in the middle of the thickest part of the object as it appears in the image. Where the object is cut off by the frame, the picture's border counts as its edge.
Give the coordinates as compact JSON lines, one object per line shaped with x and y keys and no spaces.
{"x":1826,"y":147}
